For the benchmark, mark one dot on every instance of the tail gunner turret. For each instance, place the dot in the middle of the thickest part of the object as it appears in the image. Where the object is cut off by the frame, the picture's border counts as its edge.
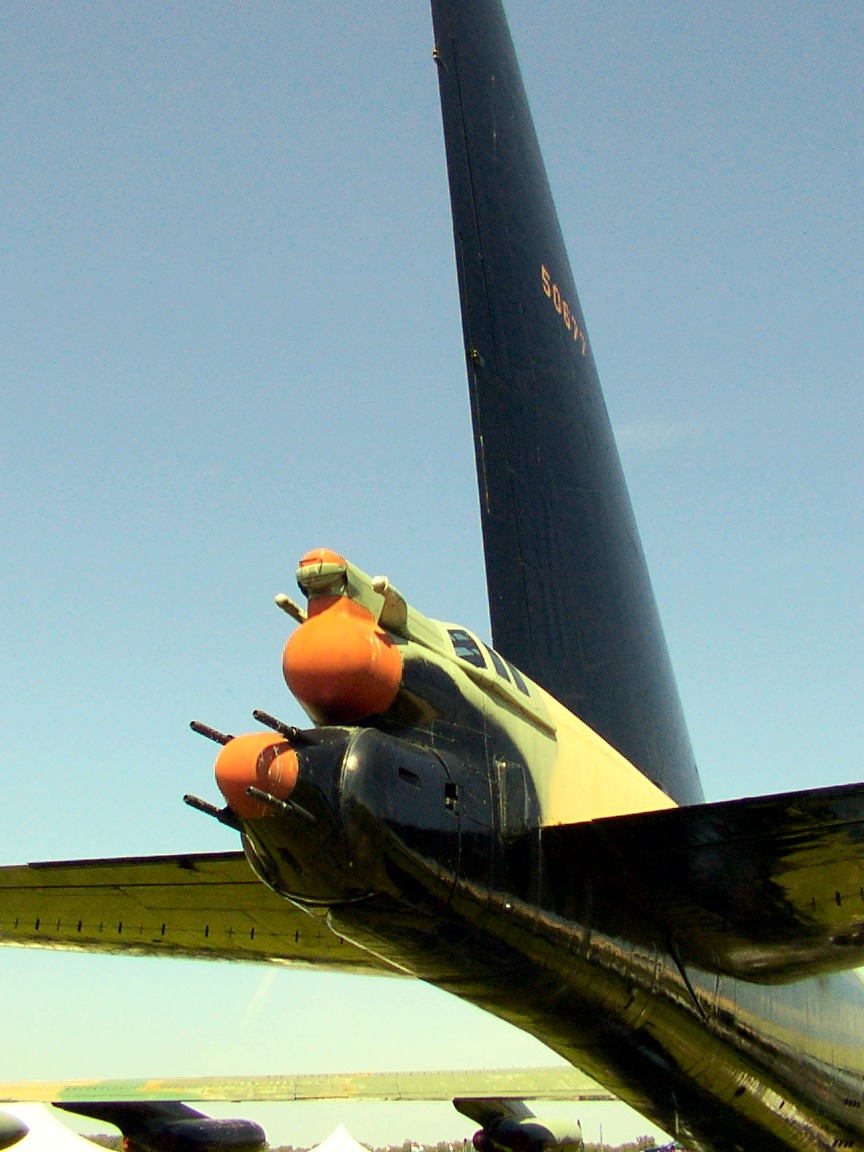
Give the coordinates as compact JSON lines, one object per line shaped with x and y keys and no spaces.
{"x":340,"y":664}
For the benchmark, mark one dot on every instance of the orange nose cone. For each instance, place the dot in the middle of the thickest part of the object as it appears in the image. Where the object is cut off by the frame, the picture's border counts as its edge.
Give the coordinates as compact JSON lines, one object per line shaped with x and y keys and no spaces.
{"x":322,"y":556}
{"x":261,"y":760}
{"x":340,"y":665}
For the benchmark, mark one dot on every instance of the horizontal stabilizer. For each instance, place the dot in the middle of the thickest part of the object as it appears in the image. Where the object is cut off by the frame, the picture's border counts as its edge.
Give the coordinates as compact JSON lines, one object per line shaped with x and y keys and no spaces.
{"x":560,"y":1083}
{"x":205,"y":905}
{"x":767,"y":889}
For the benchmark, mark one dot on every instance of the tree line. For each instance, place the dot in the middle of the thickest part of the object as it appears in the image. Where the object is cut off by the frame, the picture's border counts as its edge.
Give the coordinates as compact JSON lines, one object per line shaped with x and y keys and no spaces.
{"x":640,"y":1144}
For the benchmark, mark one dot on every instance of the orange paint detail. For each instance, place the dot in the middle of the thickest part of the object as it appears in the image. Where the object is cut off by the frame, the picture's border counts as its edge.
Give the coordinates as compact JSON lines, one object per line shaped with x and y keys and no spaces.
{"x":320,"y":603}
{"x":322,"y":556}
{"x":339,"y":664}
{"x":261,"y":759}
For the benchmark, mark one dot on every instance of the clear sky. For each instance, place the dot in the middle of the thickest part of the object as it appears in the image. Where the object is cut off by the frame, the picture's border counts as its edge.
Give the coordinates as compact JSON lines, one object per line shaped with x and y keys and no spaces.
{"x":229,"y":332}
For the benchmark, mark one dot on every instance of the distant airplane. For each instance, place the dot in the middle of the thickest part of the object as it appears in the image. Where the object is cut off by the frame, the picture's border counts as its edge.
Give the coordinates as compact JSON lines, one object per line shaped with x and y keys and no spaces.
{"x":169,"y":1126}
{"x":522,"y":825}
{"x":12,"y":1130}
{"x":146,"y":1127}
{"x":152,"y":1116}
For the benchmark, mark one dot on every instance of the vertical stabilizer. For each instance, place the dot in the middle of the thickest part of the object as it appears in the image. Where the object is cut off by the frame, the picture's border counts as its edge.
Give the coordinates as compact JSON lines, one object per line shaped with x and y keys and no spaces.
{"x":570,"y":598}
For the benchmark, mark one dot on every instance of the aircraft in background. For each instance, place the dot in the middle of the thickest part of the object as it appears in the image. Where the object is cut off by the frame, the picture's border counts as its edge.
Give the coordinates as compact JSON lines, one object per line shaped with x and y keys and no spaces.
{"x":523,"y":824}
{"x":146,"y":1127}
{"x":12,"y":1130}
{"x":170,"y":1126}
{"x":153,"y":1118}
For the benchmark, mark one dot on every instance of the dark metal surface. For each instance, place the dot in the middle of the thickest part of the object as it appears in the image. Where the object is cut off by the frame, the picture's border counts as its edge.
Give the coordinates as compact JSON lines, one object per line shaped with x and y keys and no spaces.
{"x":621,"y":962}
{"x":570,"y":598}
{"x":581,"y":934}
{"x":169,"y":1126}
{"x":596,"y":974}
{"x":769,"y":889}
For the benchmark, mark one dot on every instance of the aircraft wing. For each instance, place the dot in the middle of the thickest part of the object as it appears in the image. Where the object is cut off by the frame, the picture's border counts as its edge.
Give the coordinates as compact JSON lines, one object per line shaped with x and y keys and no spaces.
{"x":768,"y":889}
{"x":210,"y":906}
{"x":558,"y":1083}
{"x":486,"y":1110}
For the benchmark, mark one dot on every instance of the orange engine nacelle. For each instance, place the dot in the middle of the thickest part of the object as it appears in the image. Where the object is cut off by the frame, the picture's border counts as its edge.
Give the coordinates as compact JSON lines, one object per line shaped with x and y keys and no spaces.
{"x":260,"y":760}
{"x":339,"y":664}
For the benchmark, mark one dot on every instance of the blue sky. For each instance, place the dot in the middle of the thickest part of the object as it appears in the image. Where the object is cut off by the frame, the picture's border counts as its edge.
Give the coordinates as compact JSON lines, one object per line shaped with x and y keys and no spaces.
{"x":229,"y":332}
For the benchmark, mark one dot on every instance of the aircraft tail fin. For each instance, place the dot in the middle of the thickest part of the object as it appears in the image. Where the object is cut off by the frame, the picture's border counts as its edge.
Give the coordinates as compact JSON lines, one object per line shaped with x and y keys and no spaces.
{"x":570,"y":598}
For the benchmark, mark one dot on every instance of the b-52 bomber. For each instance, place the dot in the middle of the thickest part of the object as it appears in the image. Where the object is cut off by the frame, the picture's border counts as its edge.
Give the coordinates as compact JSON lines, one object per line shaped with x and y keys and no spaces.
{"x":521,"y":823}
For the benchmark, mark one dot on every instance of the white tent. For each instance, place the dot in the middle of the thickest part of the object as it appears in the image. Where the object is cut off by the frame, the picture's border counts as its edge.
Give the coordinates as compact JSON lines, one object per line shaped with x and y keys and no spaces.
{"x":340,"y":1140}
{"x":47,"y":1133}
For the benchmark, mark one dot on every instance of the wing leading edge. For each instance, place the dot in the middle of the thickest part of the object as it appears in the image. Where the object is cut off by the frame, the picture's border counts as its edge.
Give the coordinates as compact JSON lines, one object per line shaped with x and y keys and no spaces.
{"x":558,"y":1083}
{"x":208,"y":905}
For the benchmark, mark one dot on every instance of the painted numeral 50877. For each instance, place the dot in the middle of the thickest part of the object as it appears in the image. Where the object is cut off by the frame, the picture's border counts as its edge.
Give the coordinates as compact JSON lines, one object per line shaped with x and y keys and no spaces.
{"x":563,"y":309}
